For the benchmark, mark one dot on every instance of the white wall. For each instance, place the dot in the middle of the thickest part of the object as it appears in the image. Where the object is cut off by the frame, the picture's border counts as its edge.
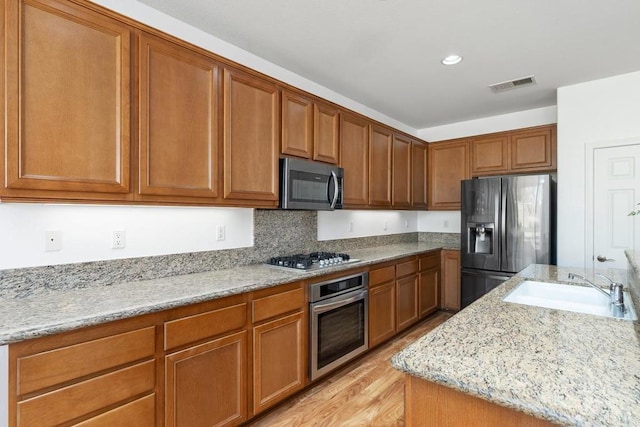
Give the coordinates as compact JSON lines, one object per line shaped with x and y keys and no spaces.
{"x":503,"y":122}
{"x":439,"y":221}
{"x":593,"y":112}
{"x":183,"y":31}
{"x":86,"y":231}
{"x":449,"y":221}
{"x":350,"y":224}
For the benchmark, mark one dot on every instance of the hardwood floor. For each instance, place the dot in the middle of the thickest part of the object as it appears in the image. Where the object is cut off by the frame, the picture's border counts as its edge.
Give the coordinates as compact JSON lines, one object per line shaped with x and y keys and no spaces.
{"x":367,"y":393}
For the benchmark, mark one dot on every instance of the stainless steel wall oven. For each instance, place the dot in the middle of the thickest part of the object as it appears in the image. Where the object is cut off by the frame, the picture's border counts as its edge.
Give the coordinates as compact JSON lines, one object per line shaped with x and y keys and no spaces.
{"x":338,"y":322}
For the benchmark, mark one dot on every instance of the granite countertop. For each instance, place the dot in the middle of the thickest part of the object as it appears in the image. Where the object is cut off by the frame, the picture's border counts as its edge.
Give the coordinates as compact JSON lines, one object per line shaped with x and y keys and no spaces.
{"x":568,"y":368}
{"x":66,"y":309}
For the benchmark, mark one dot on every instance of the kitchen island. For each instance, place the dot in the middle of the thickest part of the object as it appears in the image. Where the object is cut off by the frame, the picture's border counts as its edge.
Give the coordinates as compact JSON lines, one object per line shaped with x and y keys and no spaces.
{"x":563,"y":367}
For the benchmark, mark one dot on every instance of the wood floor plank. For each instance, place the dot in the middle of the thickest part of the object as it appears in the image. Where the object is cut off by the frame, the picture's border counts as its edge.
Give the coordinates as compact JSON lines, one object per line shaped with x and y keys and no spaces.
{"x":368,"y":392}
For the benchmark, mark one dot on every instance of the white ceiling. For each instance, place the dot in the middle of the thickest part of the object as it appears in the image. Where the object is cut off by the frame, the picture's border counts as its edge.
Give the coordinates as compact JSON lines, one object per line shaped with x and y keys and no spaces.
{"x":386,"y":54}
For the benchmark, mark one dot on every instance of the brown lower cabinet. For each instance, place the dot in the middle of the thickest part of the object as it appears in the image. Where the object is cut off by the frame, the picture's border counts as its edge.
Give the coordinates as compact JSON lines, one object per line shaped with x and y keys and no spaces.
{"x":450,"y":266}
{"x":205,"y":384}
{"x":382,"y":304}
{"x":406,"y":294}
{"x":401,"y":293}
{"x":429,"y":284}
{"x":279,"y":344}
{"x":219,"y":362}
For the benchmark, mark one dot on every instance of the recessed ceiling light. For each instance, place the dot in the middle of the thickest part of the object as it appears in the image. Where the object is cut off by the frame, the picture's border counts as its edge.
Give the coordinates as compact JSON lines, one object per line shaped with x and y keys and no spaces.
{"x":452,"y":60}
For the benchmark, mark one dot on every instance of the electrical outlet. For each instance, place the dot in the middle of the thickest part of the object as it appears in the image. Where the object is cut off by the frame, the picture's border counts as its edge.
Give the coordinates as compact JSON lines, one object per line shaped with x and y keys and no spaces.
{"x":446,"y":223}
{"x":350,"y":227}
{"x":118,"y":239}
{"x":384,"y":227}
{"x":406,"y":223}
{"x":52,"y":240}
{"x":221,"y":232}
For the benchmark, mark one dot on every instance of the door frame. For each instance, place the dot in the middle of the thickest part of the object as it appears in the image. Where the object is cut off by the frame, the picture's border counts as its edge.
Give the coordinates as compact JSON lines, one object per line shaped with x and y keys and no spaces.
{"x":589,"y":190}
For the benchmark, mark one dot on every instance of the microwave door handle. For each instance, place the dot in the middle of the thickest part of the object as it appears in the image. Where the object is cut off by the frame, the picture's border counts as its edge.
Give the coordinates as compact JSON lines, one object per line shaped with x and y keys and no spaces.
{"x":334,"y":177}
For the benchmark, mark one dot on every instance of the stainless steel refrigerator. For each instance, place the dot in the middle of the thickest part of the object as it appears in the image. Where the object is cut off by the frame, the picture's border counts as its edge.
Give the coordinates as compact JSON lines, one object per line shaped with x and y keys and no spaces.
{"x":507,"y":223}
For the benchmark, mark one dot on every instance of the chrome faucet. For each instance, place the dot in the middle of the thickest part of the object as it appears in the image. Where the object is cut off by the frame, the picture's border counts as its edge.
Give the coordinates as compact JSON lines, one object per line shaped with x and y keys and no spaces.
{"x":615,"y":294}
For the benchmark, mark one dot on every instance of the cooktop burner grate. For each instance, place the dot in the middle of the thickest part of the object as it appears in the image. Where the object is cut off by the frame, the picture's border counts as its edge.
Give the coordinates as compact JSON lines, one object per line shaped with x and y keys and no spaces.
{"x":311,"y":261}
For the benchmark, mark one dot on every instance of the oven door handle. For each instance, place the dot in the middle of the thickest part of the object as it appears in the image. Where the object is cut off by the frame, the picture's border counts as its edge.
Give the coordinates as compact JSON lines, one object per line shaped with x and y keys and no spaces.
{"x":321,"y":308}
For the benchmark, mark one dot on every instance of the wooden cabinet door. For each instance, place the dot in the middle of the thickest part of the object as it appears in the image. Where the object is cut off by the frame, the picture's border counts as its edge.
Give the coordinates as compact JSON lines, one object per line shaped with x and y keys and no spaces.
{"x":429,"y":292}
{"x":67,"y":102}
{"x":382,"y":313}
{"x":490,"y":155}
{"x":407,"y":302}
{"x":533,"y":149}
{"x":251,"y":132}
{"x":419,"y":175}
{"x":279,"y":360}
{"x":448,"y":166}
{"x":354,"y":158}
{"x":402,"y":173}
{"x":450,"y":266}
{"x":297,"y":125}
{"x":178,"y":145}
{"x":206,"y":385}
{"x":380,"y":153}
{"x":326,"y":133}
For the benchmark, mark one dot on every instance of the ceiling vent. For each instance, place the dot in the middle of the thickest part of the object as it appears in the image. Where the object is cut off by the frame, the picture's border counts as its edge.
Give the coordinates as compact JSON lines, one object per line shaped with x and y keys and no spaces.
{"x":513,"y":84}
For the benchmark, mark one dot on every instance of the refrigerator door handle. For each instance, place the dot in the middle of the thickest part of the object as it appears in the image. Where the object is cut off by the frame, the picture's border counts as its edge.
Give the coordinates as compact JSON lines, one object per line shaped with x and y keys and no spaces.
{"x":503,"y":224}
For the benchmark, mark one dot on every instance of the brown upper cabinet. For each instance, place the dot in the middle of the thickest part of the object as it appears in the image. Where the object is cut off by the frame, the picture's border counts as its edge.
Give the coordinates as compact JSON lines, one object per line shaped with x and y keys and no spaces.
{"x":204,"y":130}
{"x":179,"y":125}
{"x":533,"y":149}
{"x":67,"y":74}
{"x":518,"y":151}
{"x":251,"y":136}
{"x":380,"y":152}
{"x":310,"y":128}
{"x":419,"y":175}
{"x":402,"y":171}
{"x":448,"y":166}
{"x":354,"y":158}
{"x":490,"y":154}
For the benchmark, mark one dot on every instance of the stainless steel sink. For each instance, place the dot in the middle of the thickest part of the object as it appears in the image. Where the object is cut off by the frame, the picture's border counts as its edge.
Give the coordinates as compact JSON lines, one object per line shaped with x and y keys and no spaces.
{"x":578,"y":299}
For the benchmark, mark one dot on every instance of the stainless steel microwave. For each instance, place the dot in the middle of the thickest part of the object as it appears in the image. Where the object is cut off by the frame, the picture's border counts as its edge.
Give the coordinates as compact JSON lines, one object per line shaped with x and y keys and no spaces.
{"x":308,"y":185}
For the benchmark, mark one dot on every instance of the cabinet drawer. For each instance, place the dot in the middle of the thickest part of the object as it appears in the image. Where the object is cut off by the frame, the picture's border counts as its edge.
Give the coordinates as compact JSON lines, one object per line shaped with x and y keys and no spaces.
{"x":68,"y":403}
{"x":139,"y":413}
{"x":68,"y":363}
{"x":407,"y":268}
{"x":278,"y":304}
{"x":382,"y":275}
{"x":200,"y":326}
{"x":430,"y":261}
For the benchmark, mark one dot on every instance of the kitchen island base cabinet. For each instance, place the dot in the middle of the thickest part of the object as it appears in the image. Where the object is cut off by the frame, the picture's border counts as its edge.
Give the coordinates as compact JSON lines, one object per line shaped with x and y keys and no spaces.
{"x":205,"y":384}
{"x":430,"y":404}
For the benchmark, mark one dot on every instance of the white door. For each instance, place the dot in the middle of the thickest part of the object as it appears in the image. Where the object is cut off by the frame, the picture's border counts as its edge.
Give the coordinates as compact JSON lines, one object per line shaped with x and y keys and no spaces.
{"x":616,"y":192}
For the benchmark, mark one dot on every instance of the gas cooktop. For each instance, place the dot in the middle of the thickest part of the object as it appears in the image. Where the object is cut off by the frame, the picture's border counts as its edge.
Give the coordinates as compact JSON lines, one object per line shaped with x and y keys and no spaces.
{"x":312,"y":261}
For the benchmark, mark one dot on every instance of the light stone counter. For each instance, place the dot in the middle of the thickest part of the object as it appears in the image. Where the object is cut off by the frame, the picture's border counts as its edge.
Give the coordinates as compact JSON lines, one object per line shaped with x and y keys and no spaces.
{"x":67,"y":307}
{"x":568,"y":368}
